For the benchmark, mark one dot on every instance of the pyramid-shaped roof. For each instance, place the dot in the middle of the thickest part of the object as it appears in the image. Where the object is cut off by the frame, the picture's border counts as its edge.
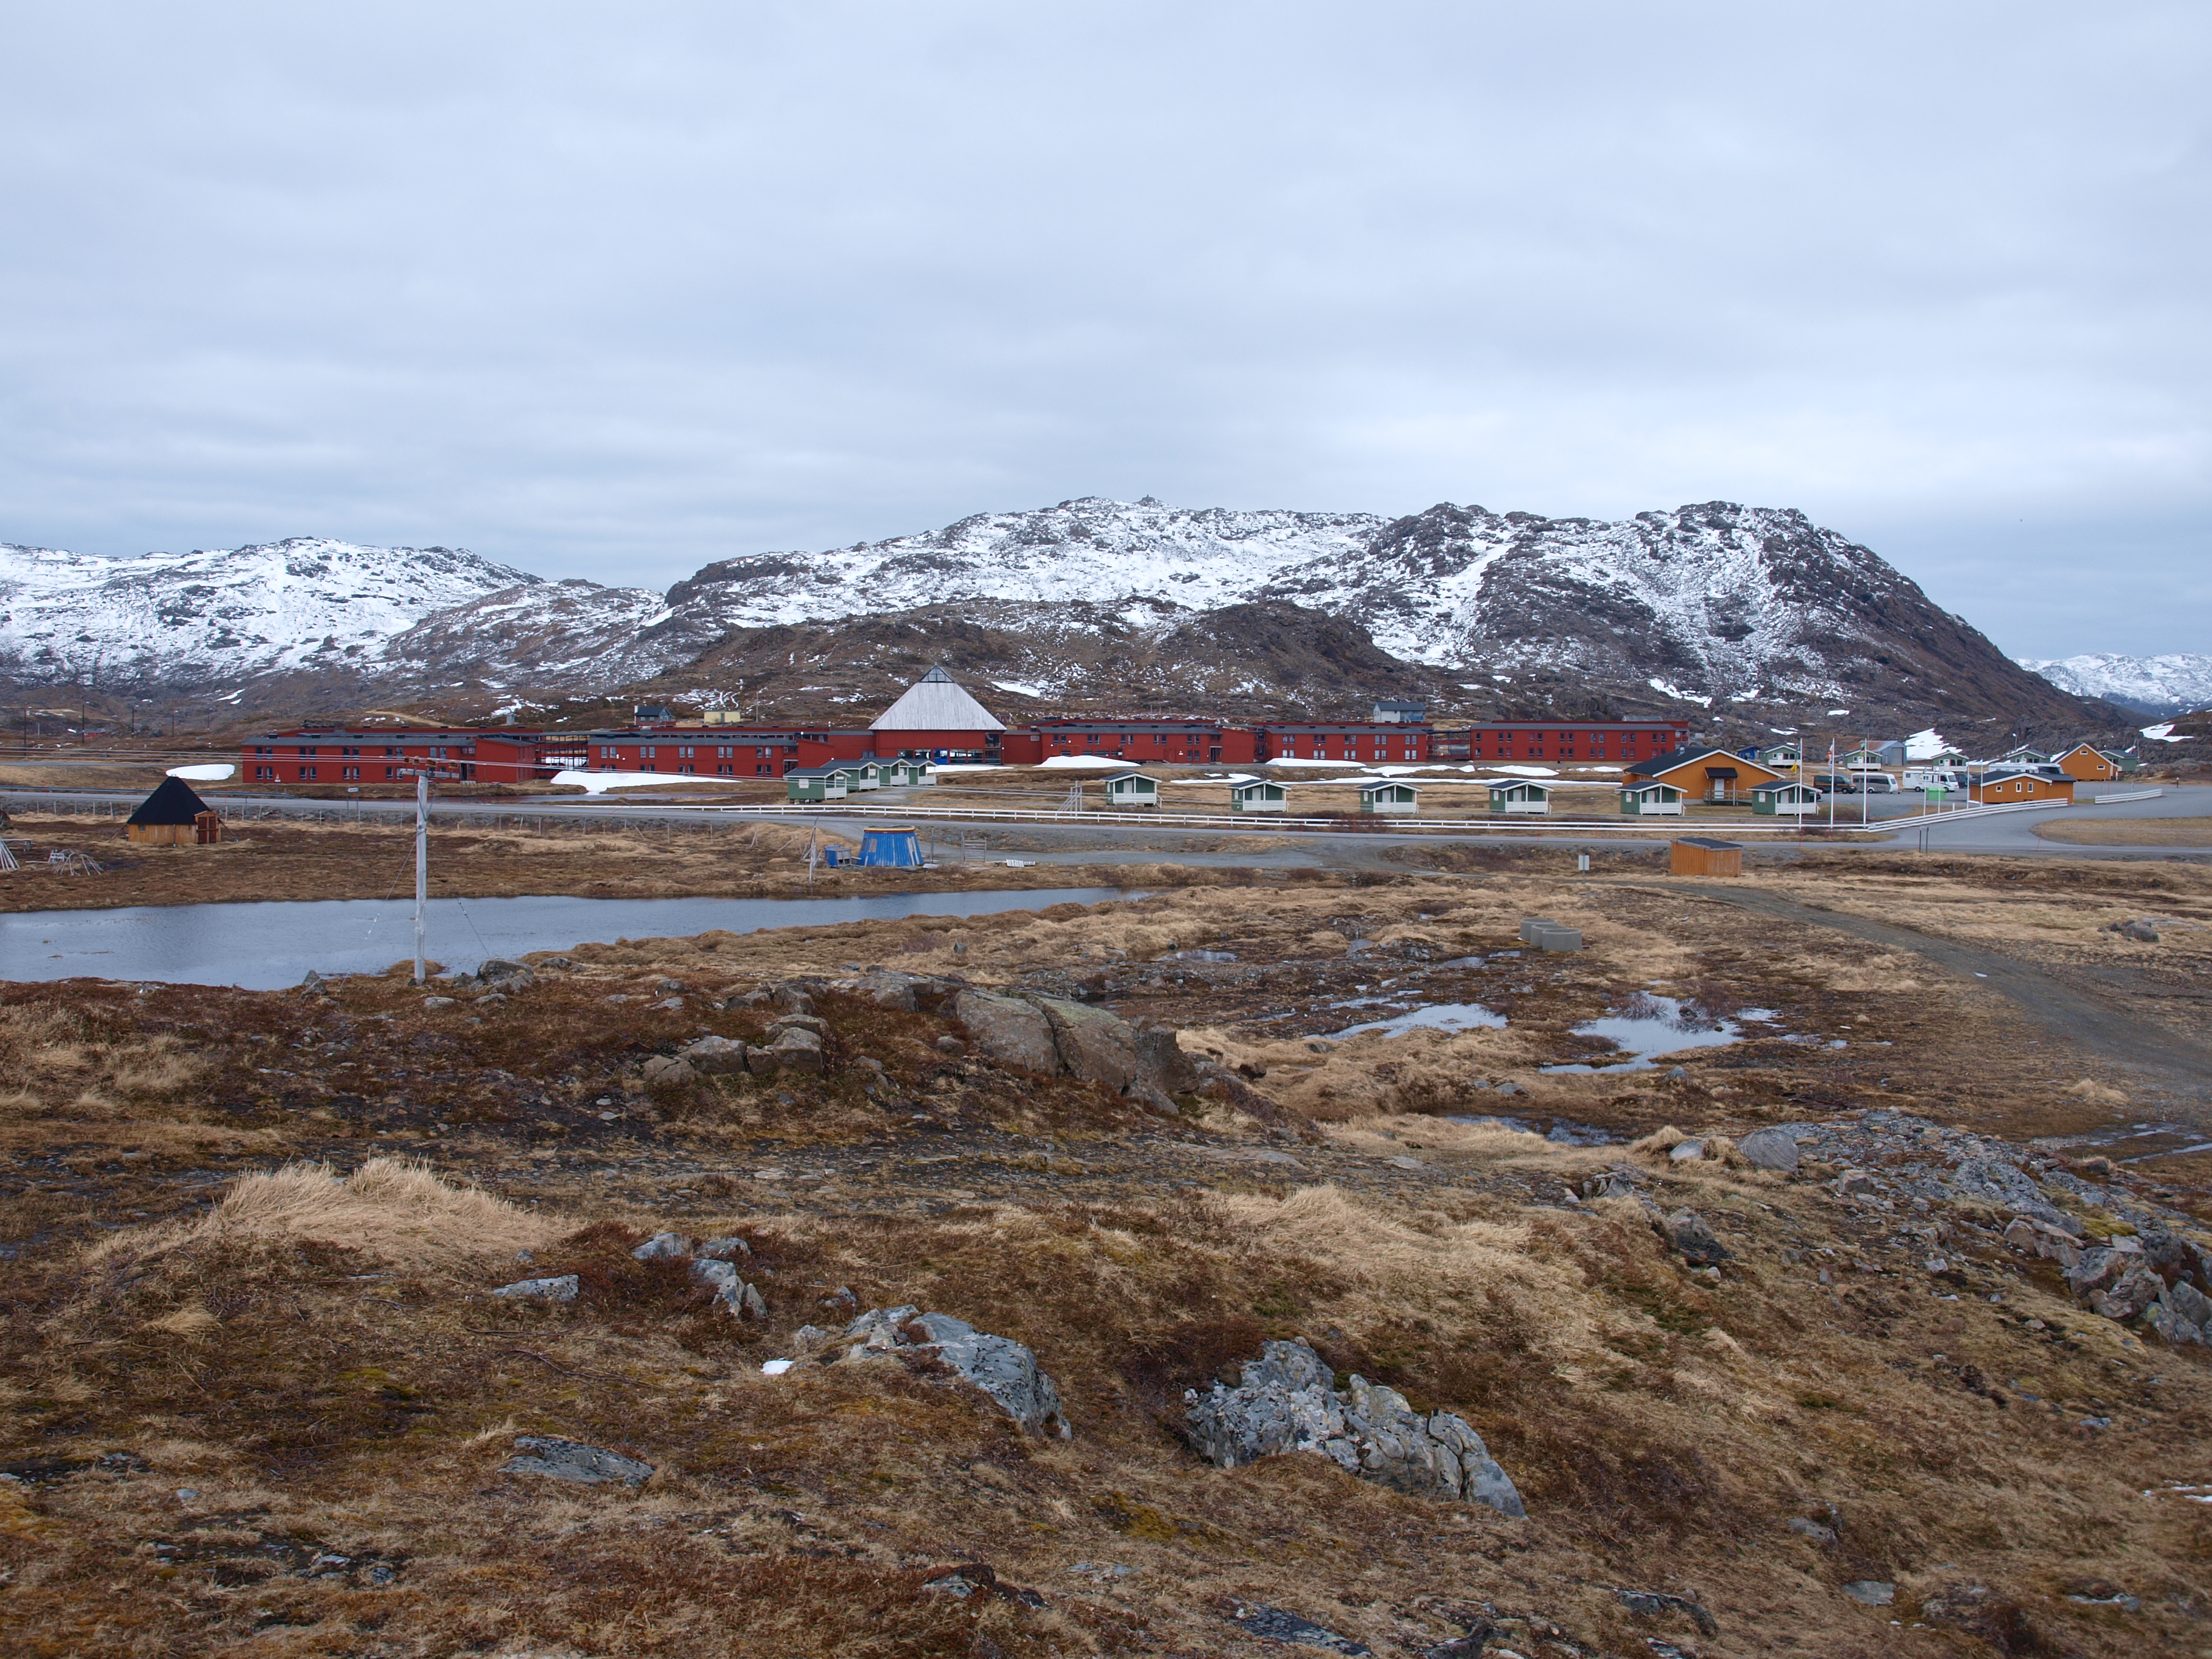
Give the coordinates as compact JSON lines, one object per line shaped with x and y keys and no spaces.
{"x":936,"y":703}
{"x":174,"y":802}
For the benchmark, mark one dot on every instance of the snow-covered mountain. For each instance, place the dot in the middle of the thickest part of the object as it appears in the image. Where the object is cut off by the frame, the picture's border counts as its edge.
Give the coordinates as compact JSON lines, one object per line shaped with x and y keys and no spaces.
{"x":2178,"y":683}
{"x":223,"y":616}
{"x":1714,"y":603}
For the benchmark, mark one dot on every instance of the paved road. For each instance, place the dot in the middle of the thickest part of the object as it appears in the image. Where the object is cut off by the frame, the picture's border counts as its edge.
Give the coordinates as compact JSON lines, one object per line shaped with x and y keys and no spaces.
{"x":2100,"y":1024}
{"x":1139,"y":842}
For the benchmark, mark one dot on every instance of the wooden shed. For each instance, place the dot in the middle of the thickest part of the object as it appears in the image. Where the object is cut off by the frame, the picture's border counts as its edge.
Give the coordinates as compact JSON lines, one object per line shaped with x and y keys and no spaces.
{"x":1698,"y":855}
{"x":1132,"y":789}
{"x":815,"y":783}
{"x":906,"y":774}
{"x":863,"y":775}
{"x":1258,"y":796}
{"x":1770,"y":800}
{"x":1648,"y":800}
{"x":174,"y":815}
{"x":1520,"y":795}
{"x":1394,"y":799}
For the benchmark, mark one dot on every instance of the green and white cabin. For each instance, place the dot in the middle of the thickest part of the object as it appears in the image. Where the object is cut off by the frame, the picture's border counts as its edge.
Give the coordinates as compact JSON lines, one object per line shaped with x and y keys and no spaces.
{"x":1132,"y":789}
{"x":816,"y":783}
{"x":1520,"y":795}
{"x":1258,"y":796}
{"x":1772,"y":800}
{"x":1653,"y":799}
{"x":1398,"y":800}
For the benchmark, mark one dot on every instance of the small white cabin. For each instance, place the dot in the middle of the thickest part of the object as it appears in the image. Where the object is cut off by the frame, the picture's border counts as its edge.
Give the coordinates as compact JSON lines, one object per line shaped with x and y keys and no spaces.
{"x":1400,"y":799}
{"x":1132,"y":789}
{"x":1258,"y":796}
{"x":1520,"y":795}
{"x":1651,"y":800}
{"x":1770,"y":800}
{"x":1780,"y":754}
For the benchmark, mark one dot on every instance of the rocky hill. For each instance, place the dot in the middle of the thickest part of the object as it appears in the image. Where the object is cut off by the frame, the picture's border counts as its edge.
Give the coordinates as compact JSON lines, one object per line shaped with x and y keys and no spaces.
{"x":1756,"y":615}
{"x":225,"y":616}
{"x":2174,"y":684}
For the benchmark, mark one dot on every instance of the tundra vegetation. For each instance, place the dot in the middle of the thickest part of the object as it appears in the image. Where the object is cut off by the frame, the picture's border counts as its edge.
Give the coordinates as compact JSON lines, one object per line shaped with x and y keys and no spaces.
{"x":1774,"y":1338}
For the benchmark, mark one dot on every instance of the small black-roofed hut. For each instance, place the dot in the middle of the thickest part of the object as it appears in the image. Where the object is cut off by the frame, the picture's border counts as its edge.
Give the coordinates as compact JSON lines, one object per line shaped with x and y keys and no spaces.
{"x":174,"y":815}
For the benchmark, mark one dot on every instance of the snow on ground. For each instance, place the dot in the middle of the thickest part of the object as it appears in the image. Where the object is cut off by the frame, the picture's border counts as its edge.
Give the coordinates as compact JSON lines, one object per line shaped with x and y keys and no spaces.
{"x":1082,"y":761}
{"x":598,"y":783}
{"x":1018,"y":688}
{"x":1926,"y":745}
{"x":1529,"y":771}
{"x":1339,"y":765}
{"x":213,"y":773}
{"x":2163,"y":731}
{"x":935,"y":769}
{"x":1678,"y":694}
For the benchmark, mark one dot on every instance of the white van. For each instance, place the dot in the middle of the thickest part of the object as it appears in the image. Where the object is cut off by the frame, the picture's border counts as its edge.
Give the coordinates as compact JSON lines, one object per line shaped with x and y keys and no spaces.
{"x":1933,"y":777}
{"x":1875,"y":783}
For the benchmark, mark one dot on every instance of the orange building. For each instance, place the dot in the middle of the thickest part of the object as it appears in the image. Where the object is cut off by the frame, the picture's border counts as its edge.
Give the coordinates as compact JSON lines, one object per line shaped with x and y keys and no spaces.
{"x":2085,"y":765}
{"x":2007,"y":785}
{"x":1705,"y":774}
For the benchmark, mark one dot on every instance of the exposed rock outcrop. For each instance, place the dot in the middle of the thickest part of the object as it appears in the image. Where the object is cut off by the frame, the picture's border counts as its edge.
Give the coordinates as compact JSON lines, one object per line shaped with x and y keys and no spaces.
{"x":1003,"y":1369}
{"x":1287,"y":1401}
{"x":1055,"y":1038}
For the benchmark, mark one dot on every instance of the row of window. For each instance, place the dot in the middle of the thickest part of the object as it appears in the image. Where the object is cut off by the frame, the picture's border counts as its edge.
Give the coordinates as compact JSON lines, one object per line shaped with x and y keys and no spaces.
{"x":690,"y":751}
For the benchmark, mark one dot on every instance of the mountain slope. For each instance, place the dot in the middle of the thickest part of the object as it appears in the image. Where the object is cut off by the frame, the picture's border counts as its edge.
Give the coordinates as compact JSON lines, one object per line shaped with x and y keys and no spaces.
{"x":2174,"y":684}
{"x":222,"y":616}
{"x":1092,"y":601}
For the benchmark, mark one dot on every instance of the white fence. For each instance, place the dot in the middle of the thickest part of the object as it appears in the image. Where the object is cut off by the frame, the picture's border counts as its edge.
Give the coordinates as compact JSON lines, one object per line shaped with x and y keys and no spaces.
{"x":2132,"y":794}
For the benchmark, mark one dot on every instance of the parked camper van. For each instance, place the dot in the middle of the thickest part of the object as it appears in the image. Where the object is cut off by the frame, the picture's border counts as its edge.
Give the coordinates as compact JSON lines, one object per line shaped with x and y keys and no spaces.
{"x":1933,"y":777}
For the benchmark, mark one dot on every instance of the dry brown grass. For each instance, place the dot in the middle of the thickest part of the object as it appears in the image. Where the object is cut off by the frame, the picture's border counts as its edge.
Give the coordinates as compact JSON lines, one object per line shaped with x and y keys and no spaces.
{"x":2130,"y":832}
{"x":391,"y":1210}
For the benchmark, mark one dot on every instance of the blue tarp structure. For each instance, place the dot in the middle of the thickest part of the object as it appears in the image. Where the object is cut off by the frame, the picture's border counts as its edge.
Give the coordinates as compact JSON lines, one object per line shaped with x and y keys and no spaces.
{"x":898,"y":847}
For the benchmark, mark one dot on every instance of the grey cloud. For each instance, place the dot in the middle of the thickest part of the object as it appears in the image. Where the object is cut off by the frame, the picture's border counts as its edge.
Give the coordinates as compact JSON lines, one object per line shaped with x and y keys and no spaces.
{"x":611,"y":292}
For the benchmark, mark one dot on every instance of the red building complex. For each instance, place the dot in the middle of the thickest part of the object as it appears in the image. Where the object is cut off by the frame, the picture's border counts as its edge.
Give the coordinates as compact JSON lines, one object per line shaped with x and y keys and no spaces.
{"x":934,"y":719}
{"x":333,"y":754}
{"x":1613,"y":742}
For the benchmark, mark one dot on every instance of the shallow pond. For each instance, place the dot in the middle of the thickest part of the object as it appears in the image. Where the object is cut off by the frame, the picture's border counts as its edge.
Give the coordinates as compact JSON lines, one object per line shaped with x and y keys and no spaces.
{"x":264,"y":947}
{"x":1435,"y":1017}
{"x":1650,"y":1027}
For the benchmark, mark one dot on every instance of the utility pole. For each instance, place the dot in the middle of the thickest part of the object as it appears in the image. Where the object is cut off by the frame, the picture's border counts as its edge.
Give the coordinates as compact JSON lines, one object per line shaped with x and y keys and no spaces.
{"x":421,"y":774}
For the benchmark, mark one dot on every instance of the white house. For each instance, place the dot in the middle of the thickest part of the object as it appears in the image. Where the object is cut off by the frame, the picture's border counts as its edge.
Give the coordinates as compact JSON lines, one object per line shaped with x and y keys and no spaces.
{"x":1132,"y":789}
{"x":1652,"y":799}
{"x":1520,"y":795}
{"x":1398,"y":799}
{"x":1258,"y":796}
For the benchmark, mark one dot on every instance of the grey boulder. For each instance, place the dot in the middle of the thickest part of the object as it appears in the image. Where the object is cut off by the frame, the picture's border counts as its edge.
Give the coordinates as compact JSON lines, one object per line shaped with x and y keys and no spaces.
{"x":1010,"y":1030}
{"x":714,"y":1056}
{"x":560,"y":1289}
{"x":670,"y":1071}
{"x":1004,"y":1370}
{"x":1287,"y":1401}
{"x":572,"y":1459}
{"x":1769,"y":1149}
{"x":662,"y":1245}
{"x":1055,"y":1038}
{"x":1688,"y":1233}
{"x":742,"y":1300}
{"x":2137,"y":1291}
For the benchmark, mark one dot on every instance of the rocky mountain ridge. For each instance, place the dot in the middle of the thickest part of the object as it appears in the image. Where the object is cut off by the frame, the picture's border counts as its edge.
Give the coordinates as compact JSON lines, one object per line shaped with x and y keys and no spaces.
{"x":2176,"y":682}
{"x":1715,"y":605}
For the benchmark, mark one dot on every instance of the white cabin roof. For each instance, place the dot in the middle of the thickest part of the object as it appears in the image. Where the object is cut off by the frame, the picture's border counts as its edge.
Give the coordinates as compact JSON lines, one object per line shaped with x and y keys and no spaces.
{"x":935,"y":703}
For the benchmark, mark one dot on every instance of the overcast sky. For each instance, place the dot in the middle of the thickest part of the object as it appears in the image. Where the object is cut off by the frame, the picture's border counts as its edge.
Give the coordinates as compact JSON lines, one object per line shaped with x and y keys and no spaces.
{"x":614,"y":290}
